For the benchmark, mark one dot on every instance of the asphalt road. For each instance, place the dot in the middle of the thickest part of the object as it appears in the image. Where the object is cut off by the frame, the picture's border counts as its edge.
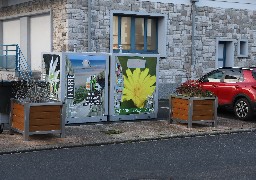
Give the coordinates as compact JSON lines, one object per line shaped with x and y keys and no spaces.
{"x":229,"y":156}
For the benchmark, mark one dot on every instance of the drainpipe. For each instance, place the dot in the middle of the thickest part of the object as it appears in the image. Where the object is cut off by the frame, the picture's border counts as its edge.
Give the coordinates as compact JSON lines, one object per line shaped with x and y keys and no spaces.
{"x":1,"y":37}
{"x":193,"y":11}
{"x":89,"y":25}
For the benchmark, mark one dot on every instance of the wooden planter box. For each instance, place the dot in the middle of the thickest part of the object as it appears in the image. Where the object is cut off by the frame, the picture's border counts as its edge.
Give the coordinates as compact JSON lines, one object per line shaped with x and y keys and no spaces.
{"x":37,"y":118}
{"x":193,"y":109}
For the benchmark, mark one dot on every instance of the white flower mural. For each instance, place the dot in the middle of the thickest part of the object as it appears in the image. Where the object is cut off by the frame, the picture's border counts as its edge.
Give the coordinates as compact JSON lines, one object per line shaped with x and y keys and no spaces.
{"x":53,"y":77}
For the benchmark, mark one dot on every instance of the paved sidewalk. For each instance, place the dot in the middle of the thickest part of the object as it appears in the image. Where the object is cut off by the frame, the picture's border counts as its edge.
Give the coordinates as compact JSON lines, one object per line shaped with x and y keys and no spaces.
{"x":118,"y":132}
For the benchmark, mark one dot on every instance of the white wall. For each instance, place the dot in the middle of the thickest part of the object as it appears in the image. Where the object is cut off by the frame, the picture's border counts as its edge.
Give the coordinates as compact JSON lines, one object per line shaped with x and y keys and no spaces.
{"x":40,"y":38}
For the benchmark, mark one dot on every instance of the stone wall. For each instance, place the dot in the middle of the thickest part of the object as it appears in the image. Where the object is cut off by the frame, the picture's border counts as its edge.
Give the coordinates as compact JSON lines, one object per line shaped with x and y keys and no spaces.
{"x":212,"y":23}
{"x":178,"y":35}
{"x":176,"y":67}
{"x":77,"y":24}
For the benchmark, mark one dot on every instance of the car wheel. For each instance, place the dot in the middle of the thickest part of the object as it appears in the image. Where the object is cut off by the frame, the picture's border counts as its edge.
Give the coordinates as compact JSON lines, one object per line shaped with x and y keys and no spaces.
{"x":243,"y":109}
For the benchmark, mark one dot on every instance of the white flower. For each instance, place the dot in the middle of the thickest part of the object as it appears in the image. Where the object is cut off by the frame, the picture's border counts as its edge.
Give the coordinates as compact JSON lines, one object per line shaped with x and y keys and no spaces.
{"x":53,"y":74}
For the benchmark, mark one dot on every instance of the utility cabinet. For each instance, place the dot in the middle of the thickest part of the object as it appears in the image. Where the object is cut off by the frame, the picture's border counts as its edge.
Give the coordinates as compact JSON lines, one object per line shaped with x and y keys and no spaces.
{"x":133,"y":86}
{"x":82,"y":83}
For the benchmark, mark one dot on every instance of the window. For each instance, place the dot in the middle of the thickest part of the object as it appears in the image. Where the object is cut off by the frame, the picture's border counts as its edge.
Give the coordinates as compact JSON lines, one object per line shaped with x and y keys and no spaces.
{"x":225,"y":52}
{"x":254,"y":73}
{"x":233,"y":75}
{"x":135,"y":34}
{"x":215,"y":76}
{"x":31,"y":43}
{"x":221,"y":54}
{"x":242,"y":48}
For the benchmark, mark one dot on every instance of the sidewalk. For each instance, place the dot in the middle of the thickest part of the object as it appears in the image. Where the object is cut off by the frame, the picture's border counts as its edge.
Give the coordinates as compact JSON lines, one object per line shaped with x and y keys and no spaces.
{"x":119,"y":132}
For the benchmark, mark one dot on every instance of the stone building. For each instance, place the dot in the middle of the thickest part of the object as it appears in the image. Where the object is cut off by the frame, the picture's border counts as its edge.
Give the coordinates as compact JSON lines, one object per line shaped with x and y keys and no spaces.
{"x":191,"y":36}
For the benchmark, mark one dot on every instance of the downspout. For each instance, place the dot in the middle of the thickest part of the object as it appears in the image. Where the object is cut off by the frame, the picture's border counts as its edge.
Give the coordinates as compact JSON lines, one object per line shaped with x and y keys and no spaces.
{"x":193,"y":11}
{"x":1,"y":37}
{"x":89,"y":25}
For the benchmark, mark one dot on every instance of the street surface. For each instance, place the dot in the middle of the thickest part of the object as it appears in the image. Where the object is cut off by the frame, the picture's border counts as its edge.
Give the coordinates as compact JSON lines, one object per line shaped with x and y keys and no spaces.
{"x":230,"y":156}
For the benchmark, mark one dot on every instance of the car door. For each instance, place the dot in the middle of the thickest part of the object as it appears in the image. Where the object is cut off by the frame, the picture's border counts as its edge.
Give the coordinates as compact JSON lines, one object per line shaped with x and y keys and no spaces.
{"x":212,"y":80}
{"x":229,"y":87}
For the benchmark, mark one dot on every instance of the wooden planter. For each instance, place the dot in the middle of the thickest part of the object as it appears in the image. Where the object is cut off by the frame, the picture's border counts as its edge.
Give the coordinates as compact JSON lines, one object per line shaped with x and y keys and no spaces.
{"x":193,"y":109}
{"x":37,"y":118}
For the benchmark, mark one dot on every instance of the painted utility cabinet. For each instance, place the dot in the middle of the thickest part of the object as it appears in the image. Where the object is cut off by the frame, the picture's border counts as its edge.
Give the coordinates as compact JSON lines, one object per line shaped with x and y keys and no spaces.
{"x":81,"y":81}
{"x":133,"y":86}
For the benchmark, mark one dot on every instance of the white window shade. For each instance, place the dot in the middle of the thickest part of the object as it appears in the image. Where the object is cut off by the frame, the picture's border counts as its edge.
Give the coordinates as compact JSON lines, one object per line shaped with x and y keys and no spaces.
{"x":40,"y":38}
{"x":11,"y":32}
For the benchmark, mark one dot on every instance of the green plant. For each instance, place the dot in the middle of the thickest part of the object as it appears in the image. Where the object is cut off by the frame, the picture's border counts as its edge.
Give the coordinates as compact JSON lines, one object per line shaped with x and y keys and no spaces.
{"x":192,"y":88}
{"x":32,"y":91}
{"x":80,"y":94}
{"x":100,"y":76}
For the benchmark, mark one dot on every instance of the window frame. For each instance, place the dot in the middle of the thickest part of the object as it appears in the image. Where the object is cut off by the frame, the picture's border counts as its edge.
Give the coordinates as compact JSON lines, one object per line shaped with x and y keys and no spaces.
{"x":24,"y":42}
{"x":223,"y":59}
{"x":242,"y":48}
{"x":230,"y":52}
{"x":210,"y":75}
{"x":132,"y":36}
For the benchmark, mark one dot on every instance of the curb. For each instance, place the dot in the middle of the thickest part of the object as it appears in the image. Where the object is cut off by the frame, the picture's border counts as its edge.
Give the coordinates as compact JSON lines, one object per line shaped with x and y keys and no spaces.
{"x":135,"y":140}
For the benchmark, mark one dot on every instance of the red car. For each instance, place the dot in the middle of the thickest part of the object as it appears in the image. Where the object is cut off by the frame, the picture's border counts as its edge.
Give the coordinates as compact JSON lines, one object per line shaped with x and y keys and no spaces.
{"x":235,"y":88}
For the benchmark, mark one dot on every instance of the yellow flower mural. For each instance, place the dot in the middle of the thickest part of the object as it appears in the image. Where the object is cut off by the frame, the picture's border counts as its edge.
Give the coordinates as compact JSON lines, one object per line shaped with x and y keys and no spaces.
{"x":138,"y":85}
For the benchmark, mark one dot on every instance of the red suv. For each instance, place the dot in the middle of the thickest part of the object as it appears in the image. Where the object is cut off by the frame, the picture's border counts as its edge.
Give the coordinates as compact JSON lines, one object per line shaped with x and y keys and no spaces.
{"x":234,"y":87}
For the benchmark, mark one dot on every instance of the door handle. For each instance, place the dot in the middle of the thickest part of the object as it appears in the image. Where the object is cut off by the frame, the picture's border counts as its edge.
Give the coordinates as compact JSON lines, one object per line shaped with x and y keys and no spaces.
{"x":214,"y":85}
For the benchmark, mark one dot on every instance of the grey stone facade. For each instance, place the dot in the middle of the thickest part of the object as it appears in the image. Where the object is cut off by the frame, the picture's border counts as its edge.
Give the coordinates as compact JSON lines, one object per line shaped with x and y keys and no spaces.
{"x":70,"y":26}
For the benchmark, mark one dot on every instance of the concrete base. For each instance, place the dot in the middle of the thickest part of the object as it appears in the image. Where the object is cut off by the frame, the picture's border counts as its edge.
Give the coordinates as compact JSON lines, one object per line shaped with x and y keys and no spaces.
{"x":8,"y":75}
{"x":4,"y":118}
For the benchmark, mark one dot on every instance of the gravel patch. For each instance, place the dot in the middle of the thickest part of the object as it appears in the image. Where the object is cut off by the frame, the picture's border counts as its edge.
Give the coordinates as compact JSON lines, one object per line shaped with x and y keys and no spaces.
{"x":118,"y":132}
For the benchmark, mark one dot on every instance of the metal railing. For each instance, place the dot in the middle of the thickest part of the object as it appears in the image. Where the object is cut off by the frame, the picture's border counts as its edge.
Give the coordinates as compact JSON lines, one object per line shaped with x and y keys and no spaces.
{"x":8,"y":56}
{"x":12,"y":58}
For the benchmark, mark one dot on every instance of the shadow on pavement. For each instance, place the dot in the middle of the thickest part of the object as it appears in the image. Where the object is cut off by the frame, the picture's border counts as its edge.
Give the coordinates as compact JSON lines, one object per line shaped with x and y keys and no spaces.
{"x":163,"y":109}
{"x":227,"y":113}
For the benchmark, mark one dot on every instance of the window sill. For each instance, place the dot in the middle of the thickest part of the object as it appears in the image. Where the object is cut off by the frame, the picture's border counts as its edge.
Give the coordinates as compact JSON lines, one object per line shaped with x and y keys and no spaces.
{"x":242,"y":56}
